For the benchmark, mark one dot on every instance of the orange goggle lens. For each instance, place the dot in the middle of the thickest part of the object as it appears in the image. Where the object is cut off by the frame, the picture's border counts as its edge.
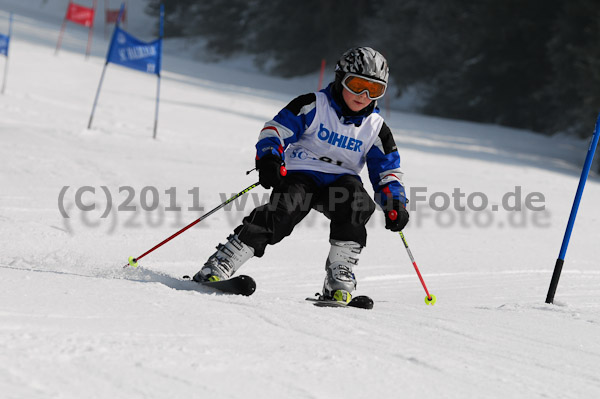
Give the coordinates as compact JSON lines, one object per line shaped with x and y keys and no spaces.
{"x":358,"y":85}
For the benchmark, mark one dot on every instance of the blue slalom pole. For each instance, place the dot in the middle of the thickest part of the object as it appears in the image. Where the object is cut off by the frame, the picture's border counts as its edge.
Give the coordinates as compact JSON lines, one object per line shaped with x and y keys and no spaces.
{"x":563,"y":249}
{"x":161,"y":34}
{"x":10,"y":21}
{"x":120,"y":16}
{"x":112,"y":40}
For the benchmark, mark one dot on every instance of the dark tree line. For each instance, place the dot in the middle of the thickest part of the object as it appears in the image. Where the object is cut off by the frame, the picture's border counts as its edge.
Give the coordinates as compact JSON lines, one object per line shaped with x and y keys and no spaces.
{"x":533,"y":64}
{"x":290,"y":36}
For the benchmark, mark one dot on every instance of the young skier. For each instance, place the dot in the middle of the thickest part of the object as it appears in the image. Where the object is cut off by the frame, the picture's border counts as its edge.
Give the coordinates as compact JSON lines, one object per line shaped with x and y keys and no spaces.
{"x":324,"y":140}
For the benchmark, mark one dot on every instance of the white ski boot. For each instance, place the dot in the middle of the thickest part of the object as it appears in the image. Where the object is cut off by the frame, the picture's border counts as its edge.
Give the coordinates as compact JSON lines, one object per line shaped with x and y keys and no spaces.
{"x":226,"y":261}
{"x":340,"y":281}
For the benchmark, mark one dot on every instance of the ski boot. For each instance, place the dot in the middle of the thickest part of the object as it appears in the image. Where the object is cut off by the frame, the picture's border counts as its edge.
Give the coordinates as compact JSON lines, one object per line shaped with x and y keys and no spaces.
{"x":340,"y":281}
{"x":226,"y":261}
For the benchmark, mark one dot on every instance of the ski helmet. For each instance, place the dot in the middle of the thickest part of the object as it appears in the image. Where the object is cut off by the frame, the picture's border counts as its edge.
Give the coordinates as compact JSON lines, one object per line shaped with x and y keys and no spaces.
{"x":362,"y":61}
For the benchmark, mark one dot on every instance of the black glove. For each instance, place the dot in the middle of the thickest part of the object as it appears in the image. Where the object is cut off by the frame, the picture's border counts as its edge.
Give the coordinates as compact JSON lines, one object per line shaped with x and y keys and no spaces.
{"x":270,"y":171}
{"x":396,"y":216}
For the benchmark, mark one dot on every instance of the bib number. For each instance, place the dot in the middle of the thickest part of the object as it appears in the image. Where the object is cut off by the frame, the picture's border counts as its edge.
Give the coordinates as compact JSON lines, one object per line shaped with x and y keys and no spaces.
{"x":329,"y":160}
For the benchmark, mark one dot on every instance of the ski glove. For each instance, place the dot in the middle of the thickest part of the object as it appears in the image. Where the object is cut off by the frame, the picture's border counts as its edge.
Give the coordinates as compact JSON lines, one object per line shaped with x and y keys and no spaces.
{"x":396,"y":218}
{"x":270,"y":171}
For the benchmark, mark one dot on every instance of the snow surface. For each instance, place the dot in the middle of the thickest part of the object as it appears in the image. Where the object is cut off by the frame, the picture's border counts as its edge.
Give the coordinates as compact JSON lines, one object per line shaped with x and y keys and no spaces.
{"x":74,"y":323}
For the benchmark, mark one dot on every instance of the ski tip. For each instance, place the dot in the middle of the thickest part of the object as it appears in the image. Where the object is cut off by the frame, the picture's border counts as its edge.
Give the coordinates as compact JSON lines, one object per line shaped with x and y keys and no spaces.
{"x":186,"y":277}
{"x":360,"y":302}
{"x":250,"y":286}
{"x":363,"y":302}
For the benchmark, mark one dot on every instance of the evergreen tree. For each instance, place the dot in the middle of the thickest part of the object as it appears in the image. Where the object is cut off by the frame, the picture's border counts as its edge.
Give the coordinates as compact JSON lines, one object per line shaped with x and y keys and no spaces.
{"x":532,"y":64}
{"x":177,"y":15}
{"x":483,"y":61}
{"x":575,"y":57}
{"x":295,"y":36}
{"x":288,"y":37}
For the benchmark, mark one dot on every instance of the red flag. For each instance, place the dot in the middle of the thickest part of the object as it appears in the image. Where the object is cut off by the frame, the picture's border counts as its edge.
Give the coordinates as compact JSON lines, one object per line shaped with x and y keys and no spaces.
{"x":112,"y":15}
{"x":80,"y":15}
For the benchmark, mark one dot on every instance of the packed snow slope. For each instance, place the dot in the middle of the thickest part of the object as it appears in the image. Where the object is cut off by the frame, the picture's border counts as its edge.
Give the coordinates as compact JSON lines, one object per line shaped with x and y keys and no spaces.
{"x":74,"y":323}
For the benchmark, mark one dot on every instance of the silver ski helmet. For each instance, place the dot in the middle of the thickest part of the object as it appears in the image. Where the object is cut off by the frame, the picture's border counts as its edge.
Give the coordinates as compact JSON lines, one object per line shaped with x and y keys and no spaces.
{"x":363,"y":61}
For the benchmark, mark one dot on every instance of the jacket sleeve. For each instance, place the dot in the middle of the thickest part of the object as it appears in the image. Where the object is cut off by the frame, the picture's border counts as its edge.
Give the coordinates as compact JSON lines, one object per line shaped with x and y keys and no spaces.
{"x":383,"y":162}
{"x":287,"y":126}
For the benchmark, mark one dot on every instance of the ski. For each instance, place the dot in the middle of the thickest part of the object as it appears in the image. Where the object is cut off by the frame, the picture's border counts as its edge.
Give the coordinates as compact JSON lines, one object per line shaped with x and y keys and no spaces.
{"x":238,"y":285}
{"x":361,"y":302}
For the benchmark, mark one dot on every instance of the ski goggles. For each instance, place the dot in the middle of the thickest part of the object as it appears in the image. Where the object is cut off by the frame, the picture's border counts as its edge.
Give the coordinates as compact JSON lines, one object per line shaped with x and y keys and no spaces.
{"x":357,"y":84}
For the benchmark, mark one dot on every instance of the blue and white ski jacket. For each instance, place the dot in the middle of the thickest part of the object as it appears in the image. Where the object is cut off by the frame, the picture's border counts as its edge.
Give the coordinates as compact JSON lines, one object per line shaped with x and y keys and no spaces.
{"x":312,"y":135}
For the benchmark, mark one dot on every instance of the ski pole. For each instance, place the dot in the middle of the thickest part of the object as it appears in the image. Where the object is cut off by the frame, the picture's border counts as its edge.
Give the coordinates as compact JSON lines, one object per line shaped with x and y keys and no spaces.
{"x":429,"y":299}
{"x":134,"y":261}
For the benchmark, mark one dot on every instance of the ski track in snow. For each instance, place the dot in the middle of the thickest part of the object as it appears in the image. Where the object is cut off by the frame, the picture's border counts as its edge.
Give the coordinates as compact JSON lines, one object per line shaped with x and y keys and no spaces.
{"x":74,"y":323}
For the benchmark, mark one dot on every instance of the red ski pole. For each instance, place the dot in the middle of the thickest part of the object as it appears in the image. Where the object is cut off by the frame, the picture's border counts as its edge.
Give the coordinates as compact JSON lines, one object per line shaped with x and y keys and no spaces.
{"x":429,"y":299}
{"x":134,"y":261}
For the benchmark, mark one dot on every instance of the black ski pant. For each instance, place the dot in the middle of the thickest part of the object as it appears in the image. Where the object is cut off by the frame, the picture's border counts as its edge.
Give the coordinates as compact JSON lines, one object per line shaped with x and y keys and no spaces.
{"x":344,"y":202}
